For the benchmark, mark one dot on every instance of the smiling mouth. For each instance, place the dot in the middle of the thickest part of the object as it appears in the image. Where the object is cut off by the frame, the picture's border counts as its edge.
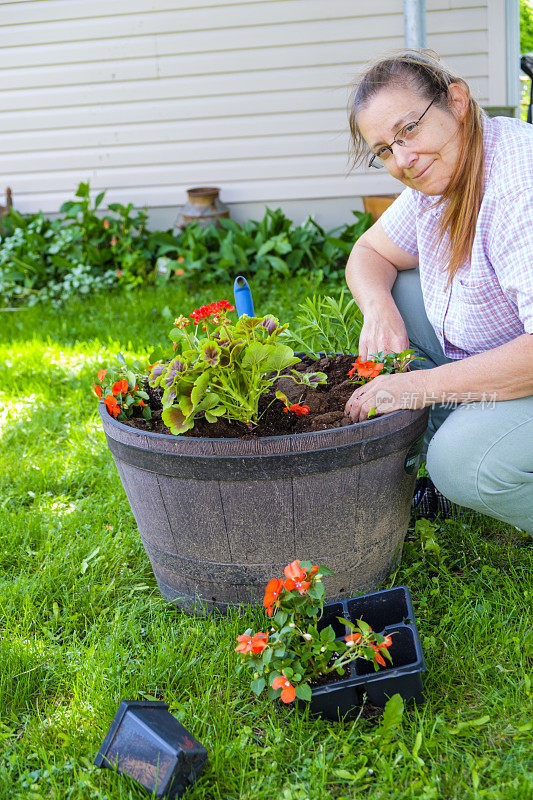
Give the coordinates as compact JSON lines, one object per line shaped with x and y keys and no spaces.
{"x":422,"y":173}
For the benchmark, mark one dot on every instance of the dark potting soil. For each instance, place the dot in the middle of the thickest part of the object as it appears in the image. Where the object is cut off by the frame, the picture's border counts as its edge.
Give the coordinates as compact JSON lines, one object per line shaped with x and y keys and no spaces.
{"x":326,"y":403}
{"x":330,"y":677}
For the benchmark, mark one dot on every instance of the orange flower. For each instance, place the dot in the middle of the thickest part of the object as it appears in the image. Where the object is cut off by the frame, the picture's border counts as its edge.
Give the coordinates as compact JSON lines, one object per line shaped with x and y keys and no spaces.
{"x":102,"y":374}
{"x":245,"y":644}
{"x":120,"y":387}
{"x":365,"y":369}
{"x":273,"y":589}
{"x":377,"y":655}
{"x":97,"y":389}
{"x":259,"y":642}
{"x":141,"y":403}
{"x":386,"y":642}
{"x":111,"y":405}
{"x":295,"y":578}
{"x":313,"y":571}
{"x":354,"y":638}
{"x":106,"y":224}
{"x":288,"y":692}
{"x":249,"y":644}
{"x":179,"y":272}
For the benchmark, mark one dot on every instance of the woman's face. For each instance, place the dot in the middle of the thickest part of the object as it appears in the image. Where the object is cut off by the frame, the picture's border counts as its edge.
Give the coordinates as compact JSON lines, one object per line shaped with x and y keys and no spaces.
{"x":425,"y":163}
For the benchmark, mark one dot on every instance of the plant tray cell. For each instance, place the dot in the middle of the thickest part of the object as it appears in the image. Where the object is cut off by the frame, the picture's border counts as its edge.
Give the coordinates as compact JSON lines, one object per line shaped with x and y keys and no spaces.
{"x":388,"y":612}
{"x":147,"y":743}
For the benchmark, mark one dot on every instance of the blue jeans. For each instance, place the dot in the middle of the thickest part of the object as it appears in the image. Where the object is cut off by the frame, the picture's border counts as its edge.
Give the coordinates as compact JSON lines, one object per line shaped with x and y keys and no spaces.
{"x":479,"y":455}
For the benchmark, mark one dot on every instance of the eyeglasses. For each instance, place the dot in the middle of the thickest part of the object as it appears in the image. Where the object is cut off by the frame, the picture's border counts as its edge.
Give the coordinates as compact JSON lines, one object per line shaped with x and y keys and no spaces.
{"x":406,"y":134}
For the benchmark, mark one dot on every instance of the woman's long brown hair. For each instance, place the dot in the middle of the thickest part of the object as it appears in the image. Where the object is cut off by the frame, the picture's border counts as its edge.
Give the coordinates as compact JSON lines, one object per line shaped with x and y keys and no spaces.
{"x":461,"y":200}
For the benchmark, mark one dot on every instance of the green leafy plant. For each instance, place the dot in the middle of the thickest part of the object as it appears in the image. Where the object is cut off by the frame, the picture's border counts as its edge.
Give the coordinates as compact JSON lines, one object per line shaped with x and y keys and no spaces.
{"x":296,"y":651}
{"x":226,"y":371}
{"x":328,"y":324}
{"x":121,"y":391}
{"x":44,"y":260}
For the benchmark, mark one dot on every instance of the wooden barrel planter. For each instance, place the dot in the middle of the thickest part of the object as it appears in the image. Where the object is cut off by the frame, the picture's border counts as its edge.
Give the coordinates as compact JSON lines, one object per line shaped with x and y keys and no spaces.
{"x":219,"y":517}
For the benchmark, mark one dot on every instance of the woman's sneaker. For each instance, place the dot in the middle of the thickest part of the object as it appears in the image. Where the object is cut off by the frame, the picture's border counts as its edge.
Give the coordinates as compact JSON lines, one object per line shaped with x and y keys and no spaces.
{"x":428,"y":502}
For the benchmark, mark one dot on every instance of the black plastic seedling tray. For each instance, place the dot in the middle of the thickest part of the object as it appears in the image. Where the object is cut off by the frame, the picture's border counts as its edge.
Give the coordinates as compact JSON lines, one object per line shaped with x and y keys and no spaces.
{"x":389,"y":611}
{"x":147,"y":743}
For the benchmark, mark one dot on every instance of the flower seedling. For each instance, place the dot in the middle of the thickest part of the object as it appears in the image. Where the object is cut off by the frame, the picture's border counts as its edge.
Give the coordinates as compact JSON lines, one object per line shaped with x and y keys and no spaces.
{"x":295,"y":408}
{"x":120,"y":390}
{"x":295,"y":651}
{"x":382,"y":364}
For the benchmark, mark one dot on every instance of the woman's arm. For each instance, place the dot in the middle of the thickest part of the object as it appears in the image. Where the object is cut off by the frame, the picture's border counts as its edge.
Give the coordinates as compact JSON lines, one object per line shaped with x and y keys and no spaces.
{"x":503,"y":373}
{"x":370,"y":273}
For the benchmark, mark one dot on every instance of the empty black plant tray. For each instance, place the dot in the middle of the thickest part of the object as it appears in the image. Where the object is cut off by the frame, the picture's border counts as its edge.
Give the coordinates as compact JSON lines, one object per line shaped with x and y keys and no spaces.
{"x":147,"y":743}
{"x":389,"y":611}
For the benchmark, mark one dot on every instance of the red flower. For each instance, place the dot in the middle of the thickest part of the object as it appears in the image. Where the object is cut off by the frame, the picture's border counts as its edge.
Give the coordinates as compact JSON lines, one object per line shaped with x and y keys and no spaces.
{"x":386,"y":642}
{"x":102,"y":374}
{"x":120,"y":387}
{"x":296,"y":578}
{"x":97,"y":389}
{"x":141,"y":403}
{"x":288,"y":692}
{"x":259,"y":642}
{"x":365,"y":369}
{"x":106,"y":224}
{"x":353,"y":637}
{"x":297,"y":408}
{"x":249,"y":644}
{"x":245,"y":644}
{"x":313,"y":571}
{"x":213,"y":309}
{"x":273,"y":589}
{"x":111,"y":405}
{"x":377,"y":655}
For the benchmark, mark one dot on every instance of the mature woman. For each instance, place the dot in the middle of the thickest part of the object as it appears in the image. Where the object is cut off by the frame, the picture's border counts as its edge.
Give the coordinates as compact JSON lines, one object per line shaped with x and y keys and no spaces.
{"x":448,"y":268}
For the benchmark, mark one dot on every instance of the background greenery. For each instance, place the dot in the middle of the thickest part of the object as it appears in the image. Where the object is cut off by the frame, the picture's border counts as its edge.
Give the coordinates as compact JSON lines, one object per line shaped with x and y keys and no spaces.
{"x":84,"y":626}
{"x":84,"y":250}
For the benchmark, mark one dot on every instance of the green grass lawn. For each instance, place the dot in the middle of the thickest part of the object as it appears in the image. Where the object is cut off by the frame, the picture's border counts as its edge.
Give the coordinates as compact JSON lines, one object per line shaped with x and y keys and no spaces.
{"x":84,"y":626}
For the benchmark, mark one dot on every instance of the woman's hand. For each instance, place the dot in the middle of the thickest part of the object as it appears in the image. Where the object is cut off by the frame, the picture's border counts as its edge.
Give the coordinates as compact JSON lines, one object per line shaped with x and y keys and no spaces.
{"x":388,"y":393}
{"x":383,"y":331}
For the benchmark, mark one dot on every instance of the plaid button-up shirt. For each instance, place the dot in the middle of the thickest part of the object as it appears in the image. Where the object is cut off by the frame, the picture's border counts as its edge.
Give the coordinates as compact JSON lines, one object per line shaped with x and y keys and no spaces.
{"x":490,"y":300}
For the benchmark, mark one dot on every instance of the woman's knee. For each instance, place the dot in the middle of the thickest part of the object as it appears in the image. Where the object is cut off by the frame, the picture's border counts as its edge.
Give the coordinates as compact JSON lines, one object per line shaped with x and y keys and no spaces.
{"x":482,"y":466}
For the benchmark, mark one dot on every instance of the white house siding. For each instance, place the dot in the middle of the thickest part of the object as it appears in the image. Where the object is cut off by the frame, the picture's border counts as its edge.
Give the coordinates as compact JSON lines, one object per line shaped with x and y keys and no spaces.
{"x":145,"y":99}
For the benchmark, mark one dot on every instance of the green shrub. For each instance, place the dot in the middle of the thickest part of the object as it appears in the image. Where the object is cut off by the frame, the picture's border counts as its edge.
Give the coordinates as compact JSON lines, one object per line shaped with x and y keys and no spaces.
{"x":81,"y":252}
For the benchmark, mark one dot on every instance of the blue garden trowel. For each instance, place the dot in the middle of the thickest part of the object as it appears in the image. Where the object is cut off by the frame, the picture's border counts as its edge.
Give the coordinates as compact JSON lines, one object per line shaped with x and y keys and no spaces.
{"x":243,"y":297}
